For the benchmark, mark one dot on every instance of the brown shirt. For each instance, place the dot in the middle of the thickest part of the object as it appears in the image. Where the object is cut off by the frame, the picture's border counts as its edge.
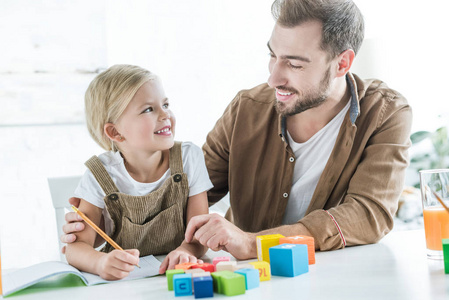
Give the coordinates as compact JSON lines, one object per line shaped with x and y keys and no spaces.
{"x":357,"y":194}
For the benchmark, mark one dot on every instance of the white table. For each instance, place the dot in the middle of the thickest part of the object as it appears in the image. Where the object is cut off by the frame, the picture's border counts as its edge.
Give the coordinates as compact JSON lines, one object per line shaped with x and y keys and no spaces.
{"x":395,"y":268}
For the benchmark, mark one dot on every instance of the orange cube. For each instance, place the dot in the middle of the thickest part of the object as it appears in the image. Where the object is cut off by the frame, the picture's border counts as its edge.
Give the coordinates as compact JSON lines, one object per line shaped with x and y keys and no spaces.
{"x":185,"y":266}
{"x":302,"y":239}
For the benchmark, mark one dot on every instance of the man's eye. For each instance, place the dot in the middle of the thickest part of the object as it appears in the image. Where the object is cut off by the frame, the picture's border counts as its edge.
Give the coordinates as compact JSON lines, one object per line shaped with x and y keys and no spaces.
{"x":149,"y":109}
{"x":294,"y":66}
{"x":271,"y":55}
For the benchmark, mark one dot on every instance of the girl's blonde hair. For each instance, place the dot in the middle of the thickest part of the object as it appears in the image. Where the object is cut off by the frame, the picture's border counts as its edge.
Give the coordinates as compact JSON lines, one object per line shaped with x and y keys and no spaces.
{"x":107,"y":97}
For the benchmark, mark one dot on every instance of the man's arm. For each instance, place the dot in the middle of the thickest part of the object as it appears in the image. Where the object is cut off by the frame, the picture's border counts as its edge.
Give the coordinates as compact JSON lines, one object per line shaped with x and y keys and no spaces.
{"x":218,"y":233}
{"x":366,"y":211}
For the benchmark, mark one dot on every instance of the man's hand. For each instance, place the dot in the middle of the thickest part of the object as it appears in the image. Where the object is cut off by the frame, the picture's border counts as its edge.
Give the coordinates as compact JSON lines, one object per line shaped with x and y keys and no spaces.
{"x":217,"y":233}
{"x":74,"y":224}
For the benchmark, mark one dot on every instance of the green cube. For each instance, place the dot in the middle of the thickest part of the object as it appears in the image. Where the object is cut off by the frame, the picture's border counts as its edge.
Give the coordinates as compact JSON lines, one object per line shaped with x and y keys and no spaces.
{"x":216,"y":277}
{"x":233,"y":284}
{"x":169,"y":274}
{"x":446,"y":255}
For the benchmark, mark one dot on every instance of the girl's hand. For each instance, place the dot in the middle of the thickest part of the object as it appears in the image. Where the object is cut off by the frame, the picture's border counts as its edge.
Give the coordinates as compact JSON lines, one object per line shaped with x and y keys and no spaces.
{"x":117,"y":264}
{"x":177,"y":256}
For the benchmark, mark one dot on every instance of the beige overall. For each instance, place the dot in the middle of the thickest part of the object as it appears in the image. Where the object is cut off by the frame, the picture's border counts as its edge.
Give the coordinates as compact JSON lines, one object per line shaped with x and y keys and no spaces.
{"x":154,"y":223}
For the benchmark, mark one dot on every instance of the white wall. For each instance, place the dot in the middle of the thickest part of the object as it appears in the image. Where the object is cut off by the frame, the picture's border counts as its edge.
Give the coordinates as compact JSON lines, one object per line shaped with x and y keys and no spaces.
{"x":204,"y":51}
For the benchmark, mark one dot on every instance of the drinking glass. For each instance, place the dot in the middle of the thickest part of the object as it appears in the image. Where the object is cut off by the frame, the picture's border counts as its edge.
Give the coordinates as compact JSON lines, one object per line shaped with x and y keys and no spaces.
{"x":436,"y":218}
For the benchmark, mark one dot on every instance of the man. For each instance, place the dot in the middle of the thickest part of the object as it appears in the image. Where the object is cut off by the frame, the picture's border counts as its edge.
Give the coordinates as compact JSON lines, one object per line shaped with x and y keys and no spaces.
{"x":317,"y":151}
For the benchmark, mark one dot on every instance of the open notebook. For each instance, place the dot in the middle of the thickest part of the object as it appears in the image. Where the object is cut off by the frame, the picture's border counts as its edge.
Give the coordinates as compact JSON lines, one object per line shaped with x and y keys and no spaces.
{"x":23,"y":278}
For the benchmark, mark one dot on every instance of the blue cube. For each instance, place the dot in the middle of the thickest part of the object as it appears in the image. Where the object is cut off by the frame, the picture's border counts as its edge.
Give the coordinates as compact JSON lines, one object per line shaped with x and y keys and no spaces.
{"x":203,"y":287}
{"x":289,"y":260}
{"x":251,"y":277}
{"x":182,"y":284}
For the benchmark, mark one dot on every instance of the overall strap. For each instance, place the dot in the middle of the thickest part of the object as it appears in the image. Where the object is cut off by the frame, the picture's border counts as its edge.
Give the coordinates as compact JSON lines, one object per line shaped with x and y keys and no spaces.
{"x":176,"y":158}
{"x":101,"y":175}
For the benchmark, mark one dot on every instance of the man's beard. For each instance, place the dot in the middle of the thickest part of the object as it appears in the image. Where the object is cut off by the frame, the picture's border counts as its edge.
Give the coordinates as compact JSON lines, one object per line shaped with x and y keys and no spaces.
{"x":311,"y":99}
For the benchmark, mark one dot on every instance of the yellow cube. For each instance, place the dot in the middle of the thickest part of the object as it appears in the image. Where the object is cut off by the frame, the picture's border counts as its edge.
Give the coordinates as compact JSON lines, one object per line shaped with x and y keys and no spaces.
{"x":264,"y":242}
{"x":264,"y":269}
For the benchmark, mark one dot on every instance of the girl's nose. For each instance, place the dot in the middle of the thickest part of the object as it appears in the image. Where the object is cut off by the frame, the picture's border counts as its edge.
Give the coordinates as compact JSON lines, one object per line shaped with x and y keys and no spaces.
{"x":165,"y":114}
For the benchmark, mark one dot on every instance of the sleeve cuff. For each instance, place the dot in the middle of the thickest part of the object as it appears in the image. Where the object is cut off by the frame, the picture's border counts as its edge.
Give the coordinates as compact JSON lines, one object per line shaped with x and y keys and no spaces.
{"x":324,"y":229}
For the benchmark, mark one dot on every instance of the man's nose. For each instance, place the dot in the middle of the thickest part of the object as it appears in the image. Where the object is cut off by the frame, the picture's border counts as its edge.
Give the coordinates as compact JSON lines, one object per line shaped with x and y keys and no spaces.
{"x":276,"y":77}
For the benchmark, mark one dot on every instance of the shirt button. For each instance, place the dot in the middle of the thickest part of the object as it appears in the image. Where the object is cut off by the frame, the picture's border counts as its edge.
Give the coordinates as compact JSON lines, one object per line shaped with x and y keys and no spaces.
{"x":291,"y":159}
{"x":285,"y":195}
{"x":113,"y":197}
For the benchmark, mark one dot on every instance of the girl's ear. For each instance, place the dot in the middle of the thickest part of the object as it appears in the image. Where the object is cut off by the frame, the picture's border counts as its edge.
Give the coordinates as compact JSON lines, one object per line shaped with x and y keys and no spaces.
{"x":345,"y":60}
{"x":112,"y":133}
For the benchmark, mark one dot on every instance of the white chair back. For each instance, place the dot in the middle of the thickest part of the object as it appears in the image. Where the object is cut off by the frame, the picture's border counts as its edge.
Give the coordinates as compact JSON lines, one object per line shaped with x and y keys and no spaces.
{"x":61,"y":189}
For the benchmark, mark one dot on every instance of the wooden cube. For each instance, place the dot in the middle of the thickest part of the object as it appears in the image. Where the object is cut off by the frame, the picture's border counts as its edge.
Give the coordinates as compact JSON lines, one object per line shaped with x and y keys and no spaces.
{"x":264,"y":270}
{"x":204,"y":274}
{"x":446,"y":255}
{"x":264,"y":242}
{"x":216,"y":277}
{"x":302,"y":239}
{"x":251,"y":277}
{"x":226,"y":266}
{"x":192,"y":271}
{"x":216,"y":260}
{"x":184,"y":266}
{"x":169,"y":274}
{"x":203,"y":287}
{"x":182,"y":284}
{"x":289,"y":260}
{"x":233,"y":284}
{"x":243,"y":266}
{"x":205,"y":266}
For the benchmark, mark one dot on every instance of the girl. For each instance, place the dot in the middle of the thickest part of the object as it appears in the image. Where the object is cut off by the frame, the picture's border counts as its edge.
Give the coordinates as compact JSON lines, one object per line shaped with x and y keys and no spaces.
{"x":146,"y":186}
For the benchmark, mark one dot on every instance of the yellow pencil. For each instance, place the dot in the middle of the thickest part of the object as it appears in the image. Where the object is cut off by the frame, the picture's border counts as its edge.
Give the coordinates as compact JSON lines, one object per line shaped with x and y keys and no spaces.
{"x":98,"y":230}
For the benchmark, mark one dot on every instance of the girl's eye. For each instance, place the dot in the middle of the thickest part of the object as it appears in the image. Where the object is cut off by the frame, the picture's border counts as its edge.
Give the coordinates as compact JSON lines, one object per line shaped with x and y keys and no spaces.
{"x":149,"y":109}
{"x":166,"y":105}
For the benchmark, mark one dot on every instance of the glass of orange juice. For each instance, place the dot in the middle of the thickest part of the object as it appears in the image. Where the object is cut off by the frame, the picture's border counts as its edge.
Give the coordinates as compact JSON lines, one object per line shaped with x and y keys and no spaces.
{"x":436,"y":218}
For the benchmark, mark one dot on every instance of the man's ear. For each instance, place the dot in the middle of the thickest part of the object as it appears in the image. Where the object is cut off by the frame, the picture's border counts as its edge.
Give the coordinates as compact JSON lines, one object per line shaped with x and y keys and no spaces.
{"x":345,"y":60}
{"x":112,"y":133}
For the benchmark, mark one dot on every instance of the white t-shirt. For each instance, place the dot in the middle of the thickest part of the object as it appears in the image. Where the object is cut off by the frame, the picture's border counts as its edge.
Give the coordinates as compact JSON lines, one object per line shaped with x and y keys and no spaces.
{"x":311,"y":158}
{"x":193,"y":163}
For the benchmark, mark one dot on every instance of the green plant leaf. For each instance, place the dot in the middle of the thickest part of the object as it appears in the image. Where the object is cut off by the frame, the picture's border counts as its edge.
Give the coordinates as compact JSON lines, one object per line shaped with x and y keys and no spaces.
{"x":420,"y":136}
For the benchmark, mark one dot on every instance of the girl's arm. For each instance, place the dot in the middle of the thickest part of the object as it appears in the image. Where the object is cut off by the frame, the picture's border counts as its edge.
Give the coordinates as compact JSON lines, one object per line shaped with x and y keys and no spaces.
{"x":188,"y":252}
{"x":82,"y":255}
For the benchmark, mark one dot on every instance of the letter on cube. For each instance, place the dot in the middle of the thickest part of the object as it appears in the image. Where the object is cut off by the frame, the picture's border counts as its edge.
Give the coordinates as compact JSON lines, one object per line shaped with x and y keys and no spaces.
{"x":182,"y":284}
{"x":264,"y":270}
{"x":169,"y":274}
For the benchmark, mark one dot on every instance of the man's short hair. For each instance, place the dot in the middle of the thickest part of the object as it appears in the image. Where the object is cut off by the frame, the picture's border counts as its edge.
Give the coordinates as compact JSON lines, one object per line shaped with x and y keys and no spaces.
{"x":343,"y":25}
